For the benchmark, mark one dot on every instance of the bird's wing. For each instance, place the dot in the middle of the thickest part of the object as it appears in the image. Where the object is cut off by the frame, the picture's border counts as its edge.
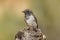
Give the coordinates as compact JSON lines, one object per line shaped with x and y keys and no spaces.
{"x":36,"y":20}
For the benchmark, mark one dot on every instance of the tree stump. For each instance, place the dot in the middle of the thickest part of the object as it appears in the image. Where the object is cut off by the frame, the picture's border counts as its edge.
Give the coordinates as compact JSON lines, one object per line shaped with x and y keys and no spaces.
{"x":30,"y":34}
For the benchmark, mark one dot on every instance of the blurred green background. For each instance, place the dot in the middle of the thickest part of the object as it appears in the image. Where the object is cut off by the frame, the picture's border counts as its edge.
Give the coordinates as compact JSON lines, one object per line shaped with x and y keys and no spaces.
{"x":12,"y":18}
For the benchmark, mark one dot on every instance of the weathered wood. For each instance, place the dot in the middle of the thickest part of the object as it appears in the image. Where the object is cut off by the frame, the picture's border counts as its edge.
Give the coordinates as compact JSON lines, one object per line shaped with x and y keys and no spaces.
{"x":30,"y":34}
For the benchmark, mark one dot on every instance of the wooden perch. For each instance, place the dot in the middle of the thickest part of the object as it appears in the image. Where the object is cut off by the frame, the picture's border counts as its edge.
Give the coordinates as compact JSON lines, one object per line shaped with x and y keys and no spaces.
{"x":30,"y":34}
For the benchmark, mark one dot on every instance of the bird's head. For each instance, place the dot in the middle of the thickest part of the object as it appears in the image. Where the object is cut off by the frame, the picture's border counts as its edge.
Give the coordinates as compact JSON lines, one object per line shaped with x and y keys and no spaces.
{"x":27,"y":12}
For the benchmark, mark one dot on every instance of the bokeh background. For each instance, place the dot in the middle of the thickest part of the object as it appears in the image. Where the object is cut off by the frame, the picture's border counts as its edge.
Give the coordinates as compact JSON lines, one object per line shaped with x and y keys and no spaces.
{"x":12,"y":18}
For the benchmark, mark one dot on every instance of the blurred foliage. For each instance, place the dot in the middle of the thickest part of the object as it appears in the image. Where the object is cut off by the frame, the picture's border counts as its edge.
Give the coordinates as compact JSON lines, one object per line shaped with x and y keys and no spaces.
{"x":12,"y":18}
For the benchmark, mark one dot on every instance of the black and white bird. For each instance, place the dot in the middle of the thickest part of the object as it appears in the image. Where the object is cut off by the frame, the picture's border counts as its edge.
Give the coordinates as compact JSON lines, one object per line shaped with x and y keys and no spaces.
{"x":31,"y":22}
{"x":30,"y":19}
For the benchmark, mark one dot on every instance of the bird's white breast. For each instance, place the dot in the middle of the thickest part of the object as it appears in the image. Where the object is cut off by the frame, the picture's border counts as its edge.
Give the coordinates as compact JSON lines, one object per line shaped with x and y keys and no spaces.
{"x":31,"y":21}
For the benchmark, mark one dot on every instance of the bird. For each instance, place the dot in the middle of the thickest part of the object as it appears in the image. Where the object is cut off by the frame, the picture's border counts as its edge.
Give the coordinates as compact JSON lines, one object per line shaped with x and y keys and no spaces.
{"x":31,"y":22}
{"x":30,"y":19}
